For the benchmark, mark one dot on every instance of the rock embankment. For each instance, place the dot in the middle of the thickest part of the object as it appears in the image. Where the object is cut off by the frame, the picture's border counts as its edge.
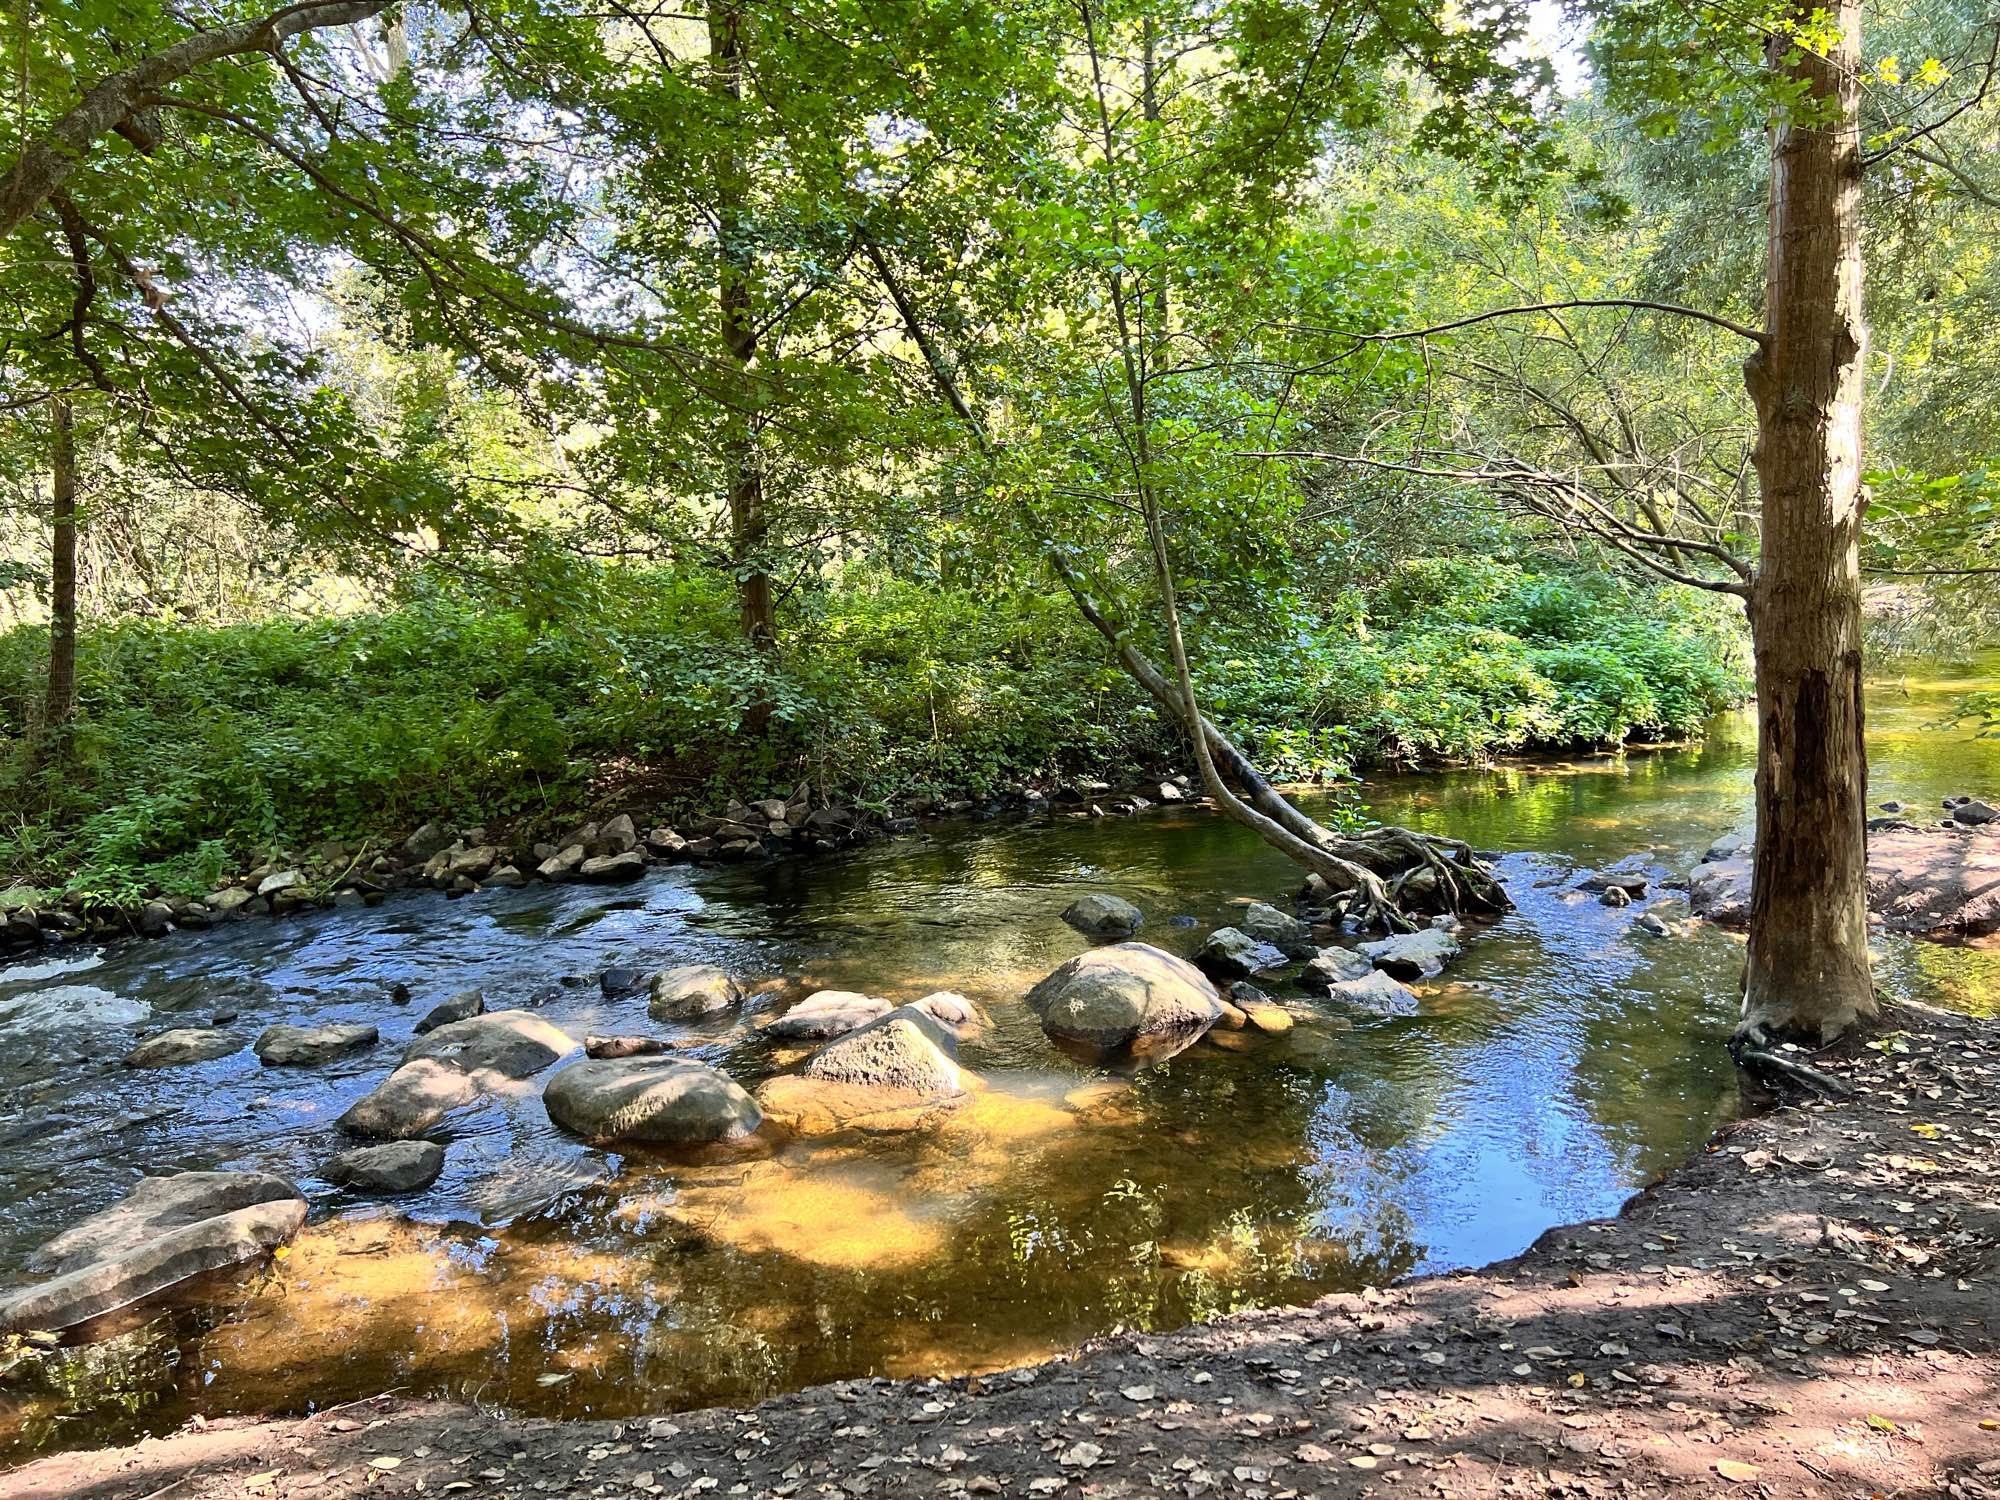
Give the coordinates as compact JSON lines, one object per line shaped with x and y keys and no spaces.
{"x":1941,"y":881}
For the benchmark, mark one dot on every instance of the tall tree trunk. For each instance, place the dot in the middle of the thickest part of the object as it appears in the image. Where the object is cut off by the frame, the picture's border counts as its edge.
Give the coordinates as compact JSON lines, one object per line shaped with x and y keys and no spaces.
{"x":735,"y":285}
{"x":1807,"y":969}
{"x":60,"y":709}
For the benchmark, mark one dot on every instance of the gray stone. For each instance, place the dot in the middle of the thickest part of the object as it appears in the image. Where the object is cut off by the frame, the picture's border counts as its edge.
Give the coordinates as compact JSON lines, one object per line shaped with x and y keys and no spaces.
{"x":393,"y":1167}
{"x":692,"y":992}
{"x":1102,"y":916}
{"x":907,"y":1050}
{"x":430,"y":840}
{"x":612,"y":869}
{"x":284,"y":880}
{"x":285,"y":1046}
{"x":1378,"y":993}
{"x":953,"y":1010}
{"x":616,"y":835}
{"x":183,"y":1045}
{"x":1602,"y":881}
{"x":827,"y":1013}
{"x":561,"y":865}
{"x":1413,"y":955}
{"x":1123,"y":995}
{"x":453,"y":1067}
{"x":1233,"y":954}
{"x":660,"y":1101}
{"x":474,"y":864}
{"x":1280,"y":929}
{"x":460,"y":1007}
{"x":1331,"y":966}
{"x":1974,"y":813}
{"x":167,"y":1231}
{"x":1614,"y":895}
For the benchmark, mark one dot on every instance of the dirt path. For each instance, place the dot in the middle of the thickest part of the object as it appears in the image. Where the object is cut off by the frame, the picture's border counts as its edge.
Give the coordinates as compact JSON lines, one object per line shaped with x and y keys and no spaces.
{"x":1811,"y":1308}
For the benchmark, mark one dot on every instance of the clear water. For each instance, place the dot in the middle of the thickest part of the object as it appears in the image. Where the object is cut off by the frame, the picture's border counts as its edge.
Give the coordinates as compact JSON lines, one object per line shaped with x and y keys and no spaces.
{"x":1564,"y":1062}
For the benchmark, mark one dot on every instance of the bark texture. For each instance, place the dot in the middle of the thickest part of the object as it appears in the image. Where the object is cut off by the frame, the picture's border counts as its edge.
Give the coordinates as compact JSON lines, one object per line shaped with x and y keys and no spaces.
{"x":1807,"y":969}
{"x":749,"y":524}
{"x":60,"y":707}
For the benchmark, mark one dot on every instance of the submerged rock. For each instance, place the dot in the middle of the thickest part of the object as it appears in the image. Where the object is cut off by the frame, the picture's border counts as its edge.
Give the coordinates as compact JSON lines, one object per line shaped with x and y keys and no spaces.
{"x":1102,"y":916}
{"x":1281,"y":930}
{"x":460,"y":1007}
{"x":952,"y":1009}
{"x":166,"y":1231}
{"x":623,"y":1046}
{"x":692,"y":992}
{"x":285,"y":1046}
{"x":187,"y":1044}
{"x":1123,"y":995}
{"x":657,"y":1101}
{"x":452,"y":1067}
{"x":1232,"y":954}
{"x":394,"y":1167}
{"x":1413,"y":955}
{"x":827,"y":1013}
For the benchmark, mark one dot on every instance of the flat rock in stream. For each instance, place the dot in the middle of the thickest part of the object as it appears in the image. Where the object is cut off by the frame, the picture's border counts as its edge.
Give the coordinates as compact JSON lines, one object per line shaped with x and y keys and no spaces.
{"x":166,"y":1231}
{"x":1331,"y":966}
{"x":452,"y":1067}
{"x":287,"y":1046}
{"x":1125,"y":995}
{"x":1376,"y":992}
{"x":184,"y":1045}
{"x":826,"y":1013}
{"x":1281,"y":930}
{"x":393,"y":1167}
{"x":1928,"y":882}
{"x":1412,"y":955}
{"x":654,"y":1101}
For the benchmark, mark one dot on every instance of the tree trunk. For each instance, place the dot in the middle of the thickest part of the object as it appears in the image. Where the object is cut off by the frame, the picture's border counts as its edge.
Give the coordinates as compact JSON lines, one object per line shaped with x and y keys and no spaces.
{"x":1807,"y":973}
{"x":60,"y":710}
{"x":735,"y":282}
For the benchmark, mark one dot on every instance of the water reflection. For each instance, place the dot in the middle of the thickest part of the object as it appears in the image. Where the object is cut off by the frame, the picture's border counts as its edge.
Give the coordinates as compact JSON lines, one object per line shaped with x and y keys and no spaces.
{"x":1567,"y":1059}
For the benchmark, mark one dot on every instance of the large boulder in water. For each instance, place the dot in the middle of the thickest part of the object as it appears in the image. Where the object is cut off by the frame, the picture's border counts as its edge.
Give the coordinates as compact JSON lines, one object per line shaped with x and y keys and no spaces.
{"x":827,"y":1013}
{"x":654,"y":1101}
{"x":1412,"y":955}
{"x":453,"y":1067}
{"x":165,"y":1232}
{"x":1100,"y":916}
{"x":692,"y":992}
{"x":1125,"y":994}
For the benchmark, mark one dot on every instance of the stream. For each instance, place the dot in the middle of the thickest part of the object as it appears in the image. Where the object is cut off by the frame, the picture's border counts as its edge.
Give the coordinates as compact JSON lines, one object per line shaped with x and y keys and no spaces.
{"x":1566,"y":1060}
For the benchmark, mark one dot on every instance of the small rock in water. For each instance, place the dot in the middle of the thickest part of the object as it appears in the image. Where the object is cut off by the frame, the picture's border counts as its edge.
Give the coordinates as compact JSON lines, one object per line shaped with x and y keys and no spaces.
{"x":612,"y":1047}
{"x":1378,"y":993}
{"x":1331,"y":966}
{"x":460,"y":1007}
{"x":662,"y":1101}
{"x":1654,"y":923}
{"x":1282,"y":931}
{"x":172,"y":1049}
{"x":1614,"y":895}
{"x":620,"y":980}
{"x":1975,"y":813}
{"x":1125,"y":995}
{"x":394,"y":1167}
{"x":827,"y":1013}
{"x":693,"y":992}
{"x":1103,"y":916}
{"x":951,"y":1009}
{"x":1413,"y":955}
{"x":285,"y":1046}
{"x":1233,"y":954}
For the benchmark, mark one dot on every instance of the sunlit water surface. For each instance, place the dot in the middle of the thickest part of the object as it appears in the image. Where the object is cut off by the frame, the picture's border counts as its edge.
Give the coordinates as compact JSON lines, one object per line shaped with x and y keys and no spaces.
{"x":1567,"y":1059}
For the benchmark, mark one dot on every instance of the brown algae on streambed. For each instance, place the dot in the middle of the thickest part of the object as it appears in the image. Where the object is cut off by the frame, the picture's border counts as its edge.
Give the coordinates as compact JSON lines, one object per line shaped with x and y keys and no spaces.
{"x":1564,"y":1061}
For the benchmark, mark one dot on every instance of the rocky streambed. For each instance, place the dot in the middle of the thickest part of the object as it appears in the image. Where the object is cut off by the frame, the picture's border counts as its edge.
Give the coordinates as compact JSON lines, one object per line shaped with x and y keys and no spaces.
{"x":885,"y":1112}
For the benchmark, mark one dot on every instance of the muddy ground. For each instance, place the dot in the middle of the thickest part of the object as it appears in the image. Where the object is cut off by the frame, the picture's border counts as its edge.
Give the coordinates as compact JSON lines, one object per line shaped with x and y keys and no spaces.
{"x":1810,"y":1308}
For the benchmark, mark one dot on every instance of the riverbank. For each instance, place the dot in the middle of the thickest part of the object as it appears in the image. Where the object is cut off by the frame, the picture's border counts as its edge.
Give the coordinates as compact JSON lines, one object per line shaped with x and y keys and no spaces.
{"x":1810,"y":1307}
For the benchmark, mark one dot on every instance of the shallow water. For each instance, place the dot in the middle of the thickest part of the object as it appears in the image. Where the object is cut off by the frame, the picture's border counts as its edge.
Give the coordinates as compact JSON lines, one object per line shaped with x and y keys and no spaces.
{"x":1563,"y":1062}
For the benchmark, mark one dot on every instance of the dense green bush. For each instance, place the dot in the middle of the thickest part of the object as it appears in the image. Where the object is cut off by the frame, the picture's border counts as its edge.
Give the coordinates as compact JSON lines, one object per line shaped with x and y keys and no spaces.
{"x":195,"y":746}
